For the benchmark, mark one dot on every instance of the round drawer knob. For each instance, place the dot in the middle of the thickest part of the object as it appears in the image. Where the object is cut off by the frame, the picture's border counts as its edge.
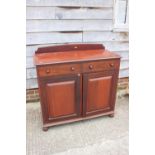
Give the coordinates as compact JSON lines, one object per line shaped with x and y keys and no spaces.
{"x":111,"y":65}
{"x":47,"y":71}
{"x":72,"y":69}
{"x":90,"y":66}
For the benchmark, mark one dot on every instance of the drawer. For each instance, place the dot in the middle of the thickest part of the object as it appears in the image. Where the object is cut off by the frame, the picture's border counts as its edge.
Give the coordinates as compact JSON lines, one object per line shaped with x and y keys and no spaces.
{"x":59,"y":69}
{"x":100,"y":65}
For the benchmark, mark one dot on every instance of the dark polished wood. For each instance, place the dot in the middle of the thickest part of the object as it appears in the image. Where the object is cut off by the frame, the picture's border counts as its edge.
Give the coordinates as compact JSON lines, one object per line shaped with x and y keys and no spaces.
{"x":73,"y":56}
{"x":61,"y":97}
{"x":96,"y":66}
{"x":76,"y":82}
{"x":111,"y":115}
{"x":78,"y":119}
{"x":45,"y":128}
{"x":69,"y":47}
{"x":61,"y":69}
{"x":97,"y":89}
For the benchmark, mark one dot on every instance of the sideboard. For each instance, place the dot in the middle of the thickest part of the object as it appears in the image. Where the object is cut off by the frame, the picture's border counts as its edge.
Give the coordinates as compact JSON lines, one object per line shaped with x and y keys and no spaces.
{"x":76,"y":82}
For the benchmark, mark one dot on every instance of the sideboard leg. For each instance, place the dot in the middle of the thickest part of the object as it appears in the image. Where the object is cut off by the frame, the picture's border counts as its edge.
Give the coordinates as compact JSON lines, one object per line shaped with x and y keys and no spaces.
{"x":45,"y":128}
{"x":111,"y":115}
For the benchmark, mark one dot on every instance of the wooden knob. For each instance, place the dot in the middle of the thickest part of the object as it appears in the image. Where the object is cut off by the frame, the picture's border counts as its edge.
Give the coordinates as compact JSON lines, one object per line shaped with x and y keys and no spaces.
{"x":47,"y":71}
{"x":72,"y":69}
{"x":111,"y":65}
{"x":90,"y":66}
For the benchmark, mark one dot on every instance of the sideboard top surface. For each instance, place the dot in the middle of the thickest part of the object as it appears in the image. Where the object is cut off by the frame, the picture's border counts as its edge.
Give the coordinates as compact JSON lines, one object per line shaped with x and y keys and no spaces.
{"x":73,"y":55}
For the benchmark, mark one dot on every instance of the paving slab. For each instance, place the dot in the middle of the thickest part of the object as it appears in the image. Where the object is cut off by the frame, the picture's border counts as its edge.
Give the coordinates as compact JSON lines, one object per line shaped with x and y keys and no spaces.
{"x":99,"y":136}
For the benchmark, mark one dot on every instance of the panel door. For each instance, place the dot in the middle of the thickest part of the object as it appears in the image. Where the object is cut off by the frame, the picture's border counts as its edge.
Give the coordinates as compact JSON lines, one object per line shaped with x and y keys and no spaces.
{"x":99,"y":92}
{"x":61,"y":98}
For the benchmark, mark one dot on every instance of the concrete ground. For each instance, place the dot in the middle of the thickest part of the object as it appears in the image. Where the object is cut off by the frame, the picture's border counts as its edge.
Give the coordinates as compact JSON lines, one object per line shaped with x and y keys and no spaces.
{"x":99,"y":136}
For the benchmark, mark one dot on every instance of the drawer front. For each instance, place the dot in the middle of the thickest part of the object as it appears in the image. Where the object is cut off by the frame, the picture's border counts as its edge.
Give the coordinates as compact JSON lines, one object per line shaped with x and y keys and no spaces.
{"x":100,"y":65}
{"x":59,"y":69}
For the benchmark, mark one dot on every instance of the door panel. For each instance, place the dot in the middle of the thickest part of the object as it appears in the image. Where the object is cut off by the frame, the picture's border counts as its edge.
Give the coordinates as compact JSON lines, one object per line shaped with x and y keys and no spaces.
{"x":61,"y":97}
{"x":98,"y":92}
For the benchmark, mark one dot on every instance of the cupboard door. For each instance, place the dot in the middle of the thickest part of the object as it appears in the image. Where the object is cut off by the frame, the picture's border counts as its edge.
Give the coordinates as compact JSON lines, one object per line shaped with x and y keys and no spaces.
{"x":61,"y":98}
{"x":98,"y":92}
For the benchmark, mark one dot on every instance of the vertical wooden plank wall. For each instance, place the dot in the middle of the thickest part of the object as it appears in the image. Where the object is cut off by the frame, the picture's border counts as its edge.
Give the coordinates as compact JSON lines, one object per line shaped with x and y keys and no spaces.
{"x":51,"y":22}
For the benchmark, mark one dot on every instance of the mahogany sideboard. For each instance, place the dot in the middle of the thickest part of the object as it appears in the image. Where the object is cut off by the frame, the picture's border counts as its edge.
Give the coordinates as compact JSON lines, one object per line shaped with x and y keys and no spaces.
{"x":76,"y":82}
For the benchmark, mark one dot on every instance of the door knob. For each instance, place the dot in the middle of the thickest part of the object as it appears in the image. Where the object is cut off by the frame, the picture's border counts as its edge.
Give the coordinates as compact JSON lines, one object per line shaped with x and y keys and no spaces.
{"x":47,"y":71}
{"x":90,"y":66}
{"x":72,"y":69}
{"x":111,"y":65}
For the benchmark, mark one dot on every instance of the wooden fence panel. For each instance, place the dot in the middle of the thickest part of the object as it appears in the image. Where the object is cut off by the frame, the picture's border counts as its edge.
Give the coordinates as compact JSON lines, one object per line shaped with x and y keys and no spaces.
{"x":83,"y":3}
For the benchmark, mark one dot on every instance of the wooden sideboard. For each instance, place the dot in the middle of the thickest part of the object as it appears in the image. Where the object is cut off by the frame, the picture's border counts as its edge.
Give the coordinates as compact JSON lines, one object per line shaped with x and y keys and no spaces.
{"x":76,"y":82}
